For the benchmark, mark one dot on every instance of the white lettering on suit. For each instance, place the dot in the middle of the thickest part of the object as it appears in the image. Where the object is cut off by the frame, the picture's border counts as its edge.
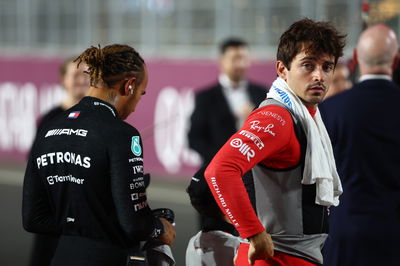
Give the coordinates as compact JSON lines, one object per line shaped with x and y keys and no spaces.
{"x":274,"y":115}
{"x":140,"y":205}
{"x":244,"y":149}
{"x":66,"y":131}
{"x":137,"y":169}
{"x":222,"y":200}
{"x":253,"y":137}
{"x":62,"y":157}
{"x":255,"y":125}
{"x":68,"y":178}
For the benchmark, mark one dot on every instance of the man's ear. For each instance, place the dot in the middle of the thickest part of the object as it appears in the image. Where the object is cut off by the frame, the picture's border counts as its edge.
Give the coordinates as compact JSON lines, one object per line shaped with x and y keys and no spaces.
{"x":129,"y":86}
{"x":281,"y":70}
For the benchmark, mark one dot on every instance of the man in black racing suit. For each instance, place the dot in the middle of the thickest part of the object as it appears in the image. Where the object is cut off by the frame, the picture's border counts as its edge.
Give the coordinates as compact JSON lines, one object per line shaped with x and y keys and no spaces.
{"x":85,"y":181}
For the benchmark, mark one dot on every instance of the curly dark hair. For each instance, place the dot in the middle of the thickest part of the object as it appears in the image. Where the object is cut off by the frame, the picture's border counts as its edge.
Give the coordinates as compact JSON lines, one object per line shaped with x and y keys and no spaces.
{"x":104,"y":64}
{"x":311,"y":36}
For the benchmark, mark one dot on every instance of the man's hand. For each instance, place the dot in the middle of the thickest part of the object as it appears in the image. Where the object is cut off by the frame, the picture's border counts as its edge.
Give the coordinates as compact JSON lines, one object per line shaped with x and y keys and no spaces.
{"x":169,"y":234}
{"x":261,"y":247}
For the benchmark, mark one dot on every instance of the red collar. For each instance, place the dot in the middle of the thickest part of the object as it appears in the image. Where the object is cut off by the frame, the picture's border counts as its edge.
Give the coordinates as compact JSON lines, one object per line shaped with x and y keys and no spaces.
{"x":312,"y":111}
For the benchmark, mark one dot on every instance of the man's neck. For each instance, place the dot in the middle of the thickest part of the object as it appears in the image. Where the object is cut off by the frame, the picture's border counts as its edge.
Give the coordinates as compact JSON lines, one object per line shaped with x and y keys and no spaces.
{"x":374,"y":76}
{"x":227,"y":81}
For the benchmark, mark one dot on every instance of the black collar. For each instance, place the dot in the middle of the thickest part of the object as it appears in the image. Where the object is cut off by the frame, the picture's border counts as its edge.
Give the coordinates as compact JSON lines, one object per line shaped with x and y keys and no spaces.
{"x":100,"y":103}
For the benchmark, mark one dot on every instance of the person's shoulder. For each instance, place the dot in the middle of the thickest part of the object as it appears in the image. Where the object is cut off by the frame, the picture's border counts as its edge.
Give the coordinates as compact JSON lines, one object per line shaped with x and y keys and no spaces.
{"x":339,"y":97}
{"x":274,"y":112}
{"x":119,"y":132}
{"x":124,"y":127}
{"x":338,"y":104}
{"x":208,"y":90}
{"x":258,"y":86}
{"x":380,"y":83}
{"x":53,"y":112}
{"x":273,"y":106}
{"x":49,"y":116}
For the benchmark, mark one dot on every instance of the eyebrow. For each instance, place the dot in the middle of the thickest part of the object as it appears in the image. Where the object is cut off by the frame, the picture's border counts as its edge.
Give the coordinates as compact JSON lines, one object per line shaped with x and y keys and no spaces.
{"x":313,"y":58}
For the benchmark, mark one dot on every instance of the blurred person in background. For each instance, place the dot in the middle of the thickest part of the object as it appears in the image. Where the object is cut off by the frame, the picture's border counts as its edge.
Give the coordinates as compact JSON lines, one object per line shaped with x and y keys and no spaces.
{"x":364,"y":126}
{"x":221,"y":108}
{"x":286,"y":145}
{"x":84,"y":181}
{"x":341,"y":80}
{"x":76,"y":84}
{"x":217,"y":242}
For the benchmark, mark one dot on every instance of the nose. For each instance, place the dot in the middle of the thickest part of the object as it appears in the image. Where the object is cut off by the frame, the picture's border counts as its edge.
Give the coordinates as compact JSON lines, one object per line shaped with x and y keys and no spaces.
{"x":319,"y":74}
{"x":239,"y":65}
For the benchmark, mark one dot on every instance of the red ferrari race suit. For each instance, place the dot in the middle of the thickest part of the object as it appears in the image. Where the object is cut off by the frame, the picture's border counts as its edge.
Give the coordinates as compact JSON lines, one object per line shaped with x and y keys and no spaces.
{"x":272,"y":144}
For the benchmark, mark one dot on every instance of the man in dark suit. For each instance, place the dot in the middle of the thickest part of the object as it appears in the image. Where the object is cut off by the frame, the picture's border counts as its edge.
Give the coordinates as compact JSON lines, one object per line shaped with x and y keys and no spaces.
{"x":364,"y":126}
{"x":221,"y":108}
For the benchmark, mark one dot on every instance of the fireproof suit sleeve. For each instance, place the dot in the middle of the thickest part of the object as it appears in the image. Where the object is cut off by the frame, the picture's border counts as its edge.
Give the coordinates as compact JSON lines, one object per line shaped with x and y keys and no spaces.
{"x":129,"y":189}
{"x":266,"y":135}
{"x":37,"y":215}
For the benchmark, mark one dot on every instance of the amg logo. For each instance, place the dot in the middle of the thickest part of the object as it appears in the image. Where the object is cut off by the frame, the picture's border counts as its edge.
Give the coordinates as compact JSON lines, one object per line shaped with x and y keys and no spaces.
{"x":66,"y":131}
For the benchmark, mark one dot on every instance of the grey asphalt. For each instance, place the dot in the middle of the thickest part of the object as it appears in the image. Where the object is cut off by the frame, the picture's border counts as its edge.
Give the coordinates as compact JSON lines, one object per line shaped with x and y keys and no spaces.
{"x":15,"y":243}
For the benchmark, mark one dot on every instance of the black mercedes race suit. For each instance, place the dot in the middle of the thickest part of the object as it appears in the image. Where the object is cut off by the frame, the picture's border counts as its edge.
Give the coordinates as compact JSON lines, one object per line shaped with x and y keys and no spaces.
{"x":84,"y":182}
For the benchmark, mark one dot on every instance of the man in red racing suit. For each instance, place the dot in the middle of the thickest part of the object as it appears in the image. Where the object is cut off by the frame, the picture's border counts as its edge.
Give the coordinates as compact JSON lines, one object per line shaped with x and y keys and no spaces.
{"x":288,"y":227}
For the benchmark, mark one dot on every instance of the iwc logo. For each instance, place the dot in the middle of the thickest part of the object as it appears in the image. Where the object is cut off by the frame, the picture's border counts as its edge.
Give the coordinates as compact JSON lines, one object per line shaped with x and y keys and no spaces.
{"x":135,"y":146}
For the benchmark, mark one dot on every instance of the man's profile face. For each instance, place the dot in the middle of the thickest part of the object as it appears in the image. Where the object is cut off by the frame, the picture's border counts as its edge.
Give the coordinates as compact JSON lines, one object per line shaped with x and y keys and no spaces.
{"x":235,"y":62}
{"x":309,"y":76}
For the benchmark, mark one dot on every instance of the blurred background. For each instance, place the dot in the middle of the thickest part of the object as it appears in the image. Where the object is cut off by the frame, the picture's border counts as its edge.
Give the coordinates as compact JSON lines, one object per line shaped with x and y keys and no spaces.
{"x":178,"y":40}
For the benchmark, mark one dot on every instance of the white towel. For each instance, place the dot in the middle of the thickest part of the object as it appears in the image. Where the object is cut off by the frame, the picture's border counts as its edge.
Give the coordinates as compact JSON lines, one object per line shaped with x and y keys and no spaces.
{"x":320,"y":167}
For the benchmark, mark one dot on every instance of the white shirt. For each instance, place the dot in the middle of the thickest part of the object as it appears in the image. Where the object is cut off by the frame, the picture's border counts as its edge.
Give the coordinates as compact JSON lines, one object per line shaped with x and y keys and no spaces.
{"x":373,"y":76}
{"x":237,"y":98}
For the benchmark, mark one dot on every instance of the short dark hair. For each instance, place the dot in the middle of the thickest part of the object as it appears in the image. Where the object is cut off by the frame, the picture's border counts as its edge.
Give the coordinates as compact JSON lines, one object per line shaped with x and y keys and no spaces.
{"x":231,"y":42}
{"x":314,"y":37}
{"x":201,"y":197}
